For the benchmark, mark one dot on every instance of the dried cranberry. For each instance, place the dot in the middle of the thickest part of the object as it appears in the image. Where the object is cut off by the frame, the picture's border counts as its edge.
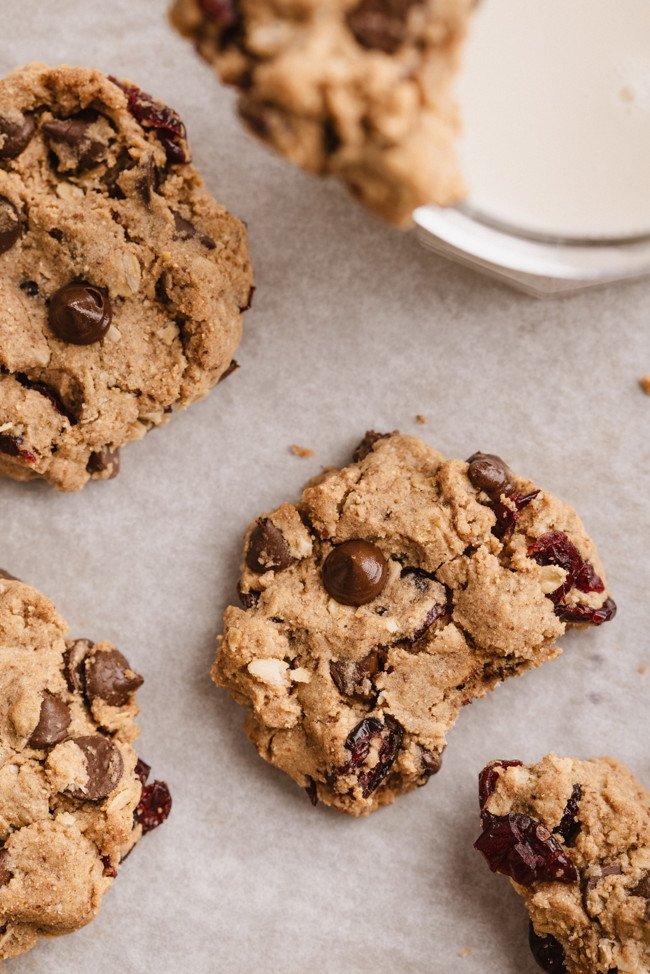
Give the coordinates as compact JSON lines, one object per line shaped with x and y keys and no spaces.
{"x":154,"y":114}
{"x":507,"y":517}
{"x":524,"y":850}
{"x":554,"y":548}
{"x":569,"y":825}
{"x":358,"y":743}
{"x":547,"y":952}
{"x":487,"y":779}
{"x":44,"y":390}
{"x":142,"y":770}
{"x":223,"y":12}
{"x":154,"y":806}
{"x":580,"y":613}
{"x":12,"y":446}
{"x":109,"y":870}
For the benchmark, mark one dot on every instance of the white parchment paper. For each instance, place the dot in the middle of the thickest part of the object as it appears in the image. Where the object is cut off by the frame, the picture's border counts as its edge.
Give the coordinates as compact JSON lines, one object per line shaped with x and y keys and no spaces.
{"x":354,"y":326}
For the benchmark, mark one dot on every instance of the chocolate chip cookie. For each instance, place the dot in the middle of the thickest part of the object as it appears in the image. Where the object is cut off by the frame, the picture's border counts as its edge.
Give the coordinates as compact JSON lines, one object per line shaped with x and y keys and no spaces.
{"x":395,"y":591}
{"x":574,"y":838}
{"x":358,"y":89}
{"x":122,"y":282}
{"x":73,"y":798}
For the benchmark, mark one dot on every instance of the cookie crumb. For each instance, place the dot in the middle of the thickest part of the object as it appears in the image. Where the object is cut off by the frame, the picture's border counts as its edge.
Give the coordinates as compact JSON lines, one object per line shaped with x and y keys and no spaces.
{"x":466,"y":952}
{"x":644,"y":382}
{"x":642,"y":669}
{"x":421,"y":419}
{"x":301,"y":451}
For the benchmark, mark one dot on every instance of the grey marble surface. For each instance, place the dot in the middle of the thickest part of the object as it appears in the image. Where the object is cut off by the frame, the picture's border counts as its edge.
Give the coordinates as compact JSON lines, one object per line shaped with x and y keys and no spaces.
{"x":354,"y":326}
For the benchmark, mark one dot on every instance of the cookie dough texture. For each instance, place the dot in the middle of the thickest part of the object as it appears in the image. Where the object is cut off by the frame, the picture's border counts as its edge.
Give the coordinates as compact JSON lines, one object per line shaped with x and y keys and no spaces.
{"x":358,"y":89}
{"x":102,"y":192}
{"x":355,"y":702}
{"x":601,"y":922}
{"x":68,"y":787}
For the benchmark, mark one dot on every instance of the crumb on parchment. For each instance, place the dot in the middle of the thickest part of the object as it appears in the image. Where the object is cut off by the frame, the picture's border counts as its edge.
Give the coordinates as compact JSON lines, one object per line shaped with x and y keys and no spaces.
{"x":421,"y":419}
{"x":466,"y":952}
{"x":644,"y":382}
{"x":302,"y":451}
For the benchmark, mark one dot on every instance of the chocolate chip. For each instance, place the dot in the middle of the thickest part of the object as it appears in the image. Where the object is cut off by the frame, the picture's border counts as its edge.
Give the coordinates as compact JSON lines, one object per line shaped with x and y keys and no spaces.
{"x":73,"y":663}
{"x":110,"y":678}
{"x":491,"y":474}
{"x":366,"y":445}
{"x":73,"y":132}
{"x":267,"y":549}
{"x":5,"y":872}
{"x":613,"y":869}
{"x":11,"y":225}
{"x":249,"y":301}
{"x":642,"y":889}
{"x":355,"y":572}
{"x":109,"y":870}
{"x":380,"y":24}
{"x":569,"y":825}
{"x":104,"y":462}
{"x":30,"y":288}
{"x":184,"y":230}
{"x":547,"y":951}
{"x":431,"y":761}
{"x":17,"y":135}
{"x":52,"y":724}
{"x":104,"y":767}
{"x":354,"y":677}
{"x":80,"y":314}
{"x":4,"y":574}
{"x":248,"y":599}
{"x":147,"y":181}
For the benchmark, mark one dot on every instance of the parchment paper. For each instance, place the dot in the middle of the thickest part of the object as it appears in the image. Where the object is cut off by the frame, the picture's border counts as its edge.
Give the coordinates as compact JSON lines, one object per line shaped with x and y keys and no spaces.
{"x":354,"y":327}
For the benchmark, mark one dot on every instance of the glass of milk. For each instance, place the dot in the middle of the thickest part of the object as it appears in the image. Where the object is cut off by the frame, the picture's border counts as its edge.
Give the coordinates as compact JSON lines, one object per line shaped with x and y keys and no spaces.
{"x":555,"y":102}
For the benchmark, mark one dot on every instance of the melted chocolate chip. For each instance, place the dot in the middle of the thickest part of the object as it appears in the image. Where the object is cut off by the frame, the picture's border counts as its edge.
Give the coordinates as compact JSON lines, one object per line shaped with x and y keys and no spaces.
{"x":366,"y":445}
{"x":354,"y":677}
{"x":612,"y":869}
{"x":110,"y":678}
{"x":547,"y":951}
{"x":431,"y":762}
{"x":355,"y":572}
{"x":380,"y":24}
{"x":73,"y":132}
{"x":17,"y":135}
{"x":52,"y":724}
{"x":234,"y":365}
{"x":73,"y":664}
{"x":104,"y":767}
{"x":30,"y":288}
{"x":642,"y":889}
{"x":11,"y":225}
{"x":570,"y":825}
{"x":80,"y":314}
{"x":490,"y":474}
{"x":184,"y":230}
{"x":249,"y":301}
{"x":267,"y":549}
{"x":105,"y":462}
{"x":4,"y":574}
{"x":248,"y":599}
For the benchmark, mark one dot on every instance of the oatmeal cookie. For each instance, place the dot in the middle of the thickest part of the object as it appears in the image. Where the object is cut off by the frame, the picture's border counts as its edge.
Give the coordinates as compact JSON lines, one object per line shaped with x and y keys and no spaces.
{"x":397,"y":590}
{"x":574,"y":838}
{"x":122,"y":282}
{"x":358,"y":89}
{"x":73,"y":799}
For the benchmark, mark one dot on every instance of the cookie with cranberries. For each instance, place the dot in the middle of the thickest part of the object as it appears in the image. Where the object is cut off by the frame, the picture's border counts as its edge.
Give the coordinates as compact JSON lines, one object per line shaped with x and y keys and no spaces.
{"x":574,"y":839}
{"x":73,"y":794}
{"x":397,"y":590}
{"x":122,"y":282}
{"x":356,"y":89}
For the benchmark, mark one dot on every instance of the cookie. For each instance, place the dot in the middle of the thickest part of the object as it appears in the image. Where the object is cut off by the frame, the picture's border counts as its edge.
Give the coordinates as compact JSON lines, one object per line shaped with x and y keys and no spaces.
{"x":122,"y":281}
{"x":357,"y":89}
{"x":574,"y":838}
{"x":397,"y":590}
{"x":73,"y":798}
